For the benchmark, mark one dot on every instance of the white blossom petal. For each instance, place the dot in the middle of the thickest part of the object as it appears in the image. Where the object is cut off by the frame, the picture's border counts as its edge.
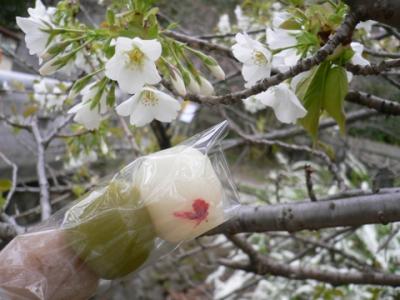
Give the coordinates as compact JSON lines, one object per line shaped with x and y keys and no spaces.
{"x":149,"y":104}
{"x":357,"y":58}
{"x":281,"y":38}
{"x":133,"y":64}
{"x":84,"y":114}
{"x":284,"y":102}
{"x":152,"y":48}
{"x":253,"y":104}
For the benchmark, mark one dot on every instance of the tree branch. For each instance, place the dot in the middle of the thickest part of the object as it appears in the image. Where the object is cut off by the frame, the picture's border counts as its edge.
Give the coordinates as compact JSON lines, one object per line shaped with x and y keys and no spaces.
{"x":385,"y":11}
{"x":41,"y":171}
{"x":199,"y":44}
{"x":266,"y":265}
{"x":13,"y":182}
{"x":381,"y":105}
{"x":373,"y":69}
{"x":352,"y":211}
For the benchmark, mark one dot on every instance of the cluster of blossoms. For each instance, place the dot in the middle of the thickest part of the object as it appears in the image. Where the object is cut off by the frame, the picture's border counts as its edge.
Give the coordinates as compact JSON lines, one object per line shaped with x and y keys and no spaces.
{"x":281,"y":51}
{"x":134,"y":65}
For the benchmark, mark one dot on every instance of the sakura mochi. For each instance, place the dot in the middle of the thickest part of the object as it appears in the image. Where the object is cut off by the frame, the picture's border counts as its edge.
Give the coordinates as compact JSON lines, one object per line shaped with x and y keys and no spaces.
{"x":182,"y":193}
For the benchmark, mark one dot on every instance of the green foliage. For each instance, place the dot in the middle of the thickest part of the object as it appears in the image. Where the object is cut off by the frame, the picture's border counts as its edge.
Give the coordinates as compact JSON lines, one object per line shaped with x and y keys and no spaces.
{"x":323,"y":91}
{"x":5,"y":185}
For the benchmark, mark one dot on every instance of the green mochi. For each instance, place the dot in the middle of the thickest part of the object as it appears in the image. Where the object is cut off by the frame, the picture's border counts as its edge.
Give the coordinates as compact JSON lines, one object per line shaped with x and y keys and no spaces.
{"x":112,"y":231}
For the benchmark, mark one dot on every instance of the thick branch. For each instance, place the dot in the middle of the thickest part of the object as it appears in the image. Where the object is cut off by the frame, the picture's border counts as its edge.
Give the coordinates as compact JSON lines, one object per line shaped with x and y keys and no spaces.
{"x":354,"y":211}
{"x":385,"y":11}
{"x":381,"y":105}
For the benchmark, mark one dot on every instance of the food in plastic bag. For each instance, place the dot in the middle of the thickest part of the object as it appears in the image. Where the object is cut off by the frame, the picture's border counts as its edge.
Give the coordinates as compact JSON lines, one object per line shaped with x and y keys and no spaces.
{"x":146,"y":210}
{"x":111,"y":230}
{"x":41,"y":265}
{"x":182,"y":193}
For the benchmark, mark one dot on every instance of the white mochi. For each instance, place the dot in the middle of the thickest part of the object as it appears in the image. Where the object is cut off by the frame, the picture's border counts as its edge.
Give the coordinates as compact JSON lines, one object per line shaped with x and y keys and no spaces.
{"x":172,"y":182}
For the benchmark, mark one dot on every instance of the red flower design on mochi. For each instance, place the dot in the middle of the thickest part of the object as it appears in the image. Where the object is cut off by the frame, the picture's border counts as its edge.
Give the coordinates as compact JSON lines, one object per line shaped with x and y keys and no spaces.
{"x":199,"y":213}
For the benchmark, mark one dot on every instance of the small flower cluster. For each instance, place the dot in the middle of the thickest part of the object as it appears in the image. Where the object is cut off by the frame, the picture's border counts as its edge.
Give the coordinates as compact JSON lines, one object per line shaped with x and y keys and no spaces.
{"x":282,"y":50}
{"x":136,"y":64}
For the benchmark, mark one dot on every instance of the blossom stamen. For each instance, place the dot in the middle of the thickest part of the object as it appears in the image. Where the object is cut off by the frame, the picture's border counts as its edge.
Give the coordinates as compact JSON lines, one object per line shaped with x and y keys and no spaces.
{"x":259,"y":58}
{"x":135,"y":57}
{"x":148,"y":98}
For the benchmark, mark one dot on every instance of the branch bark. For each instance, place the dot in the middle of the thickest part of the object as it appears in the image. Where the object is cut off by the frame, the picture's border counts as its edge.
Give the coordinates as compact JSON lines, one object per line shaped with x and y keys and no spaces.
{"x":266,"y":265}
{"x":385,"y":11}
{"x":381,"y":105}
{"x":41,"y":171}
{"x":352,"y":211}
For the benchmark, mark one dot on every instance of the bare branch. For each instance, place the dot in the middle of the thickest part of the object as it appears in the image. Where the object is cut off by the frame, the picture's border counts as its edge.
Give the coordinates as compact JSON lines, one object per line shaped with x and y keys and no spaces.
{"x":41,"y":172}
{"x":382,"y":54}
{"x":199,"y":44}
{"x":310,"y":187}
{"x":373,"y":69}
{"x":352,"y":211}
{"x":230,"y":34}
{"x":13,"y":181}
{"x":268,"y":266}
{"x":385,"y":11}
{"x":296,"y":130}
{"x":381,"y":105}
{"x":262,"y":140}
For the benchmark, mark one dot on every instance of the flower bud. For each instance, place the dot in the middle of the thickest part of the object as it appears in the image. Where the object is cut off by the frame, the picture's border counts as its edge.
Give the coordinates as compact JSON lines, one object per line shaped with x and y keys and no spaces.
{"x":206,"y":88}
{"x":49,"y":67}
{"x":217,"y":71}
{"x":177,"y":82}
{"x":193,"y":87}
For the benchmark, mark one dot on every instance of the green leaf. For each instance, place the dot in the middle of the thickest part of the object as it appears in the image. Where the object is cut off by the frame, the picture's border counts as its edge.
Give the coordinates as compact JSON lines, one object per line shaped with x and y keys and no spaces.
{"x":311,"y":91}
{"x":323,"y":90}
{"x":29,"y":111}
{"x":336,"y":88}
{"x":152,"y":12}
{"x":81,"y":83}
{"x":290,"y":24}
{"x":2,"y":202}
{"x":5,"y":185}
{"x":111,"y":95}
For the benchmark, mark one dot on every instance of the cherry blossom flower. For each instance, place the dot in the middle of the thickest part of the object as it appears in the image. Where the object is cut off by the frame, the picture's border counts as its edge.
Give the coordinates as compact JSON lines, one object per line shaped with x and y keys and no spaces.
{"x":49,"y":94}
{"x":357,"y":58}
{"x":256,"y":58}
{"x":243,"y":21}
{"x":34,"y":27}
{"x":253,"y":104}
{"x":224,"y":25}
{"x":285,"y":41}
{"x":149,"y":104}
{"x":284,"y":102}
{"x":84,"y":114}
{"x":133,"y":64}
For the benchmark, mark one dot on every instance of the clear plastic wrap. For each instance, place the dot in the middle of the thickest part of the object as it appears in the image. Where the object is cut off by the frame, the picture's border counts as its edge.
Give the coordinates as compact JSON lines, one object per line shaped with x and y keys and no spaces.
{"x":146,"y":210}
